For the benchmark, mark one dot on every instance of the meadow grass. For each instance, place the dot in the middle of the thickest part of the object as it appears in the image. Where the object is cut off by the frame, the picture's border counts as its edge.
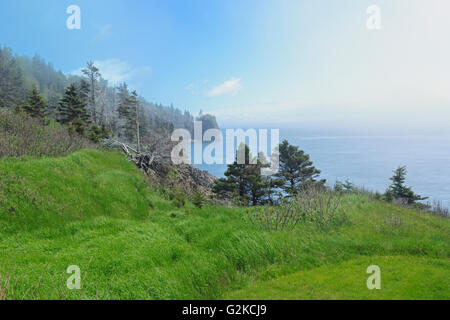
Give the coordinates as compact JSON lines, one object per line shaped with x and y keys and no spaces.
{"x":95,"y":210}
{"x":402,"y":277}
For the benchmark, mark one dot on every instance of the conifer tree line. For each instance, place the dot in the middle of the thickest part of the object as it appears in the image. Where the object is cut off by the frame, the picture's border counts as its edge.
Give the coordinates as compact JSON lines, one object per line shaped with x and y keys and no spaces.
{"x":245,"y":183}
{"x":87,"y":102}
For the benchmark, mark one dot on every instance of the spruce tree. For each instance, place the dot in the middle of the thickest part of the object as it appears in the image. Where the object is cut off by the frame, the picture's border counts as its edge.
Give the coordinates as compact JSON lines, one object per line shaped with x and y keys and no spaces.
{"x":296,"y":169}
{"x":92,"y":73}
{"x":35,"y":105}
{"x":72,"y":109}
{"x":398,"y":190}
{"x":135,"y":117}
{"x":123,"y":110}
{"x":130,"y":114}
{"x":84,"y":90}
{"x":244,"y":179}
{"x":11,"y":80}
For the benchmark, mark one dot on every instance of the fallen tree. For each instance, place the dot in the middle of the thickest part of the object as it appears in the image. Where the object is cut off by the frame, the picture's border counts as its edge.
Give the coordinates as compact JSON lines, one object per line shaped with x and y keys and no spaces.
{"x":155,"y":157}
{"x":155,"y":160}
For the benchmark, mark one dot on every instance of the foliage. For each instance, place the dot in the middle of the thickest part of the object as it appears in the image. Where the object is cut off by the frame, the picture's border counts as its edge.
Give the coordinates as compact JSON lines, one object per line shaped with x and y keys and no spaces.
{"x":296,"y":169}
{"x":198,"y":199}
{"x":36,"y":106}
{"x":11,"y":82}
{"x":438,"y":208}
{"x":175,"y":195}
{"x":129,"y":111}
{"x":344,"y":187}
{"x":398,"y":191}
{"x":72,"y":109}
{"x":244,"y":179}
{"x":314,"y":204}
{"x":21,"y":135}
{"x":245,"y":183}
{"x":274,"y":218}
{"x":90,"y":90}
{"x":98,"y":134}
{"x":319,"y":205}
{"x":179,"y":200}
{"x":20,"y":74}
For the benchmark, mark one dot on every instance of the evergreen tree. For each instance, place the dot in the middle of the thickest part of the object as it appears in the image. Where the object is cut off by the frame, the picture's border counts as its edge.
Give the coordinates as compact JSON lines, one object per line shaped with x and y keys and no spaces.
{"x":36,"y":106}
{"x":123,"y":109}
{"x":84,"y":90}
{"x":130,"y":114}
{"x":244,"y":179}
{"x":92,"y":73}
{"x":11,"y":80}
{"x":72,"y":109}
{"x":398,"y":190}
{"x":296,"y":169}
{"x":136,"y":117}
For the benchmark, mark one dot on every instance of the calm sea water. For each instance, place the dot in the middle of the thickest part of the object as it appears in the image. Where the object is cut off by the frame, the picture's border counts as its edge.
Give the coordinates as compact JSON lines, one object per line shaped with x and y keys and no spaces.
{"x":368,"y":161}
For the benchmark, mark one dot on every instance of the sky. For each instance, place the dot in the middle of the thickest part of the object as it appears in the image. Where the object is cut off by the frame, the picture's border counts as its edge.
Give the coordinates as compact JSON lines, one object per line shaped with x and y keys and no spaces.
{"x":280,"y":62}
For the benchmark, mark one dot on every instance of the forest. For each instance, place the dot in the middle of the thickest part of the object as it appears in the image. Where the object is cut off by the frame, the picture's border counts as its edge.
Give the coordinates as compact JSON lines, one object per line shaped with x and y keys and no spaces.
{"x":103,"y":110}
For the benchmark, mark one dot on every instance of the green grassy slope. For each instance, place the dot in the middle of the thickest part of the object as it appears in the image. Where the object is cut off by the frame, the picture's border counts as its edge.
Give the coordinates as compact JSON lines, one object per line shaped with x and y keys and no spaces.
{"x":96,"y":210}
{"x":401,"y":278}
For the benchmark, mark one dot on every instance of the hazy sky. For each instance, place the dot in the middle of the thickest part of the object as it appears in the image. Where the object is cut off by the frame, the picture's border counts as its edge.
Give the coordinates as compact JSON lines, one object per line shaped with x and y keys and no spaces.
{"x":301,"y":62}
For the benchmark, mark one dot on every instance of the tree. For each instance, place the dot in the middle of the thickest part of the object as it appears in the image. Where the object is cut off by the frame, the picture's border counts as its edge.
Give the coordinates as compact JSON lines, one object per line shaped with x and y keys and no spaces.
{"x":84,"y":90}
{"x":244,"y":179}
{"x":123,"y":110}
{"x":93,"y":74}
{"x":296,"y":169}
{"x":198,"y":200}
{"x":35,"y":105}
{"x":11,"y":80}
{"x":398,"y":190}
{"x":72,"y":109}
{"x":346,"y":186}
{"x":134,"y":104}
{"x":129,"y":111}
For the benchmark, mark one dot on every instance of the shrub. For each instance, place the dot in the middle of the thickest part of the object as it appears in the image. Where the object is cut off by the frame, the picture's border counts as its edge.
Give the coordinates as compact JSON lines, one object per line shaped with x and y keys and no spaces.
{"x":21,"y":135}
{"x":398,"y":191}
{"x":346,"y":186}
{"x":314,"y":204}
{"x":274,"y":218}
{"x":178,"y":198}
{"x":198,"y":200}
{"x":320,"y":206}
{"x":438,"y":208}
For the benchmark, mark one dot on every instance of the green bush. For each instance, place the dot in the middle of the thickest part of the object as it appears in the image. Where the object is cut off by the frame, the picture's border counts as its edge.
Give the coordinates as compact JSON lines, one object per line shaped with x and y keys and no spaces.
{"x":178,"y":199}
{"x":21,"y":135}
{"x":198,"y":200}
{"x":314,"y":204}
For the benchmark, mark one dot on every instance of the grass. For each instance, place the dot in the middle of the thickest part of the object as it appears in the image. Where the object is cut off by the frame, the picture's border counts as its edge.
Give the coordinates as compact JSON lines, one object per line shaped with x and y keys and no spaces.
{"x":401,"y":278}
{"x":97,"y":211}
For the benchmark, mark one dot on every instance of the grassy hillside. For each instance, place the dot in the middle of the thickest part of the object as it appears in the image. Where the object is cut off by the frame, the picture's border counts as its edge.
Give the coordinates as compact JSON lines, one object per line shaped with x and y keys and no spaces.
{"x":402,"y":277}
{"x":96,"y":210}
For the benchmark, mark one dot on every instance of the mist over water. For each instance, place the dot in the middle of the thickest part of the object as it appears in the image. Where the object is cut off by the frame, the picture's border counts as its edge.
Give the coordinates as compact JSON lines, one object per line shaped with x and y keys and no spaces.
{"x":368,"y":160}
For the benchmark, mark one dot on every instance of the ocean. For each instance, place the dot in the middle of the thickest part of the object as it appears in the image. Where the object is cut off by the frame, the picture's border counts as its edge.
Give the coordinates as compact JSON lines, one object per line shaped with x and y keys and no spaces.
{"x":368,"y":160}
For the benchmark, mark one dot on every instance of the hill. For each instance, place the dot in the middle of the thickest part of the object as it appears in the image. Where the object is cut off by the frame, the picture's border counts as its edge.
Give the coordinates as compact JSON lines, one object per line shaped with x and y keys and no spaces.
{"x":96,"y":210}
{"x":19,"y":74}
